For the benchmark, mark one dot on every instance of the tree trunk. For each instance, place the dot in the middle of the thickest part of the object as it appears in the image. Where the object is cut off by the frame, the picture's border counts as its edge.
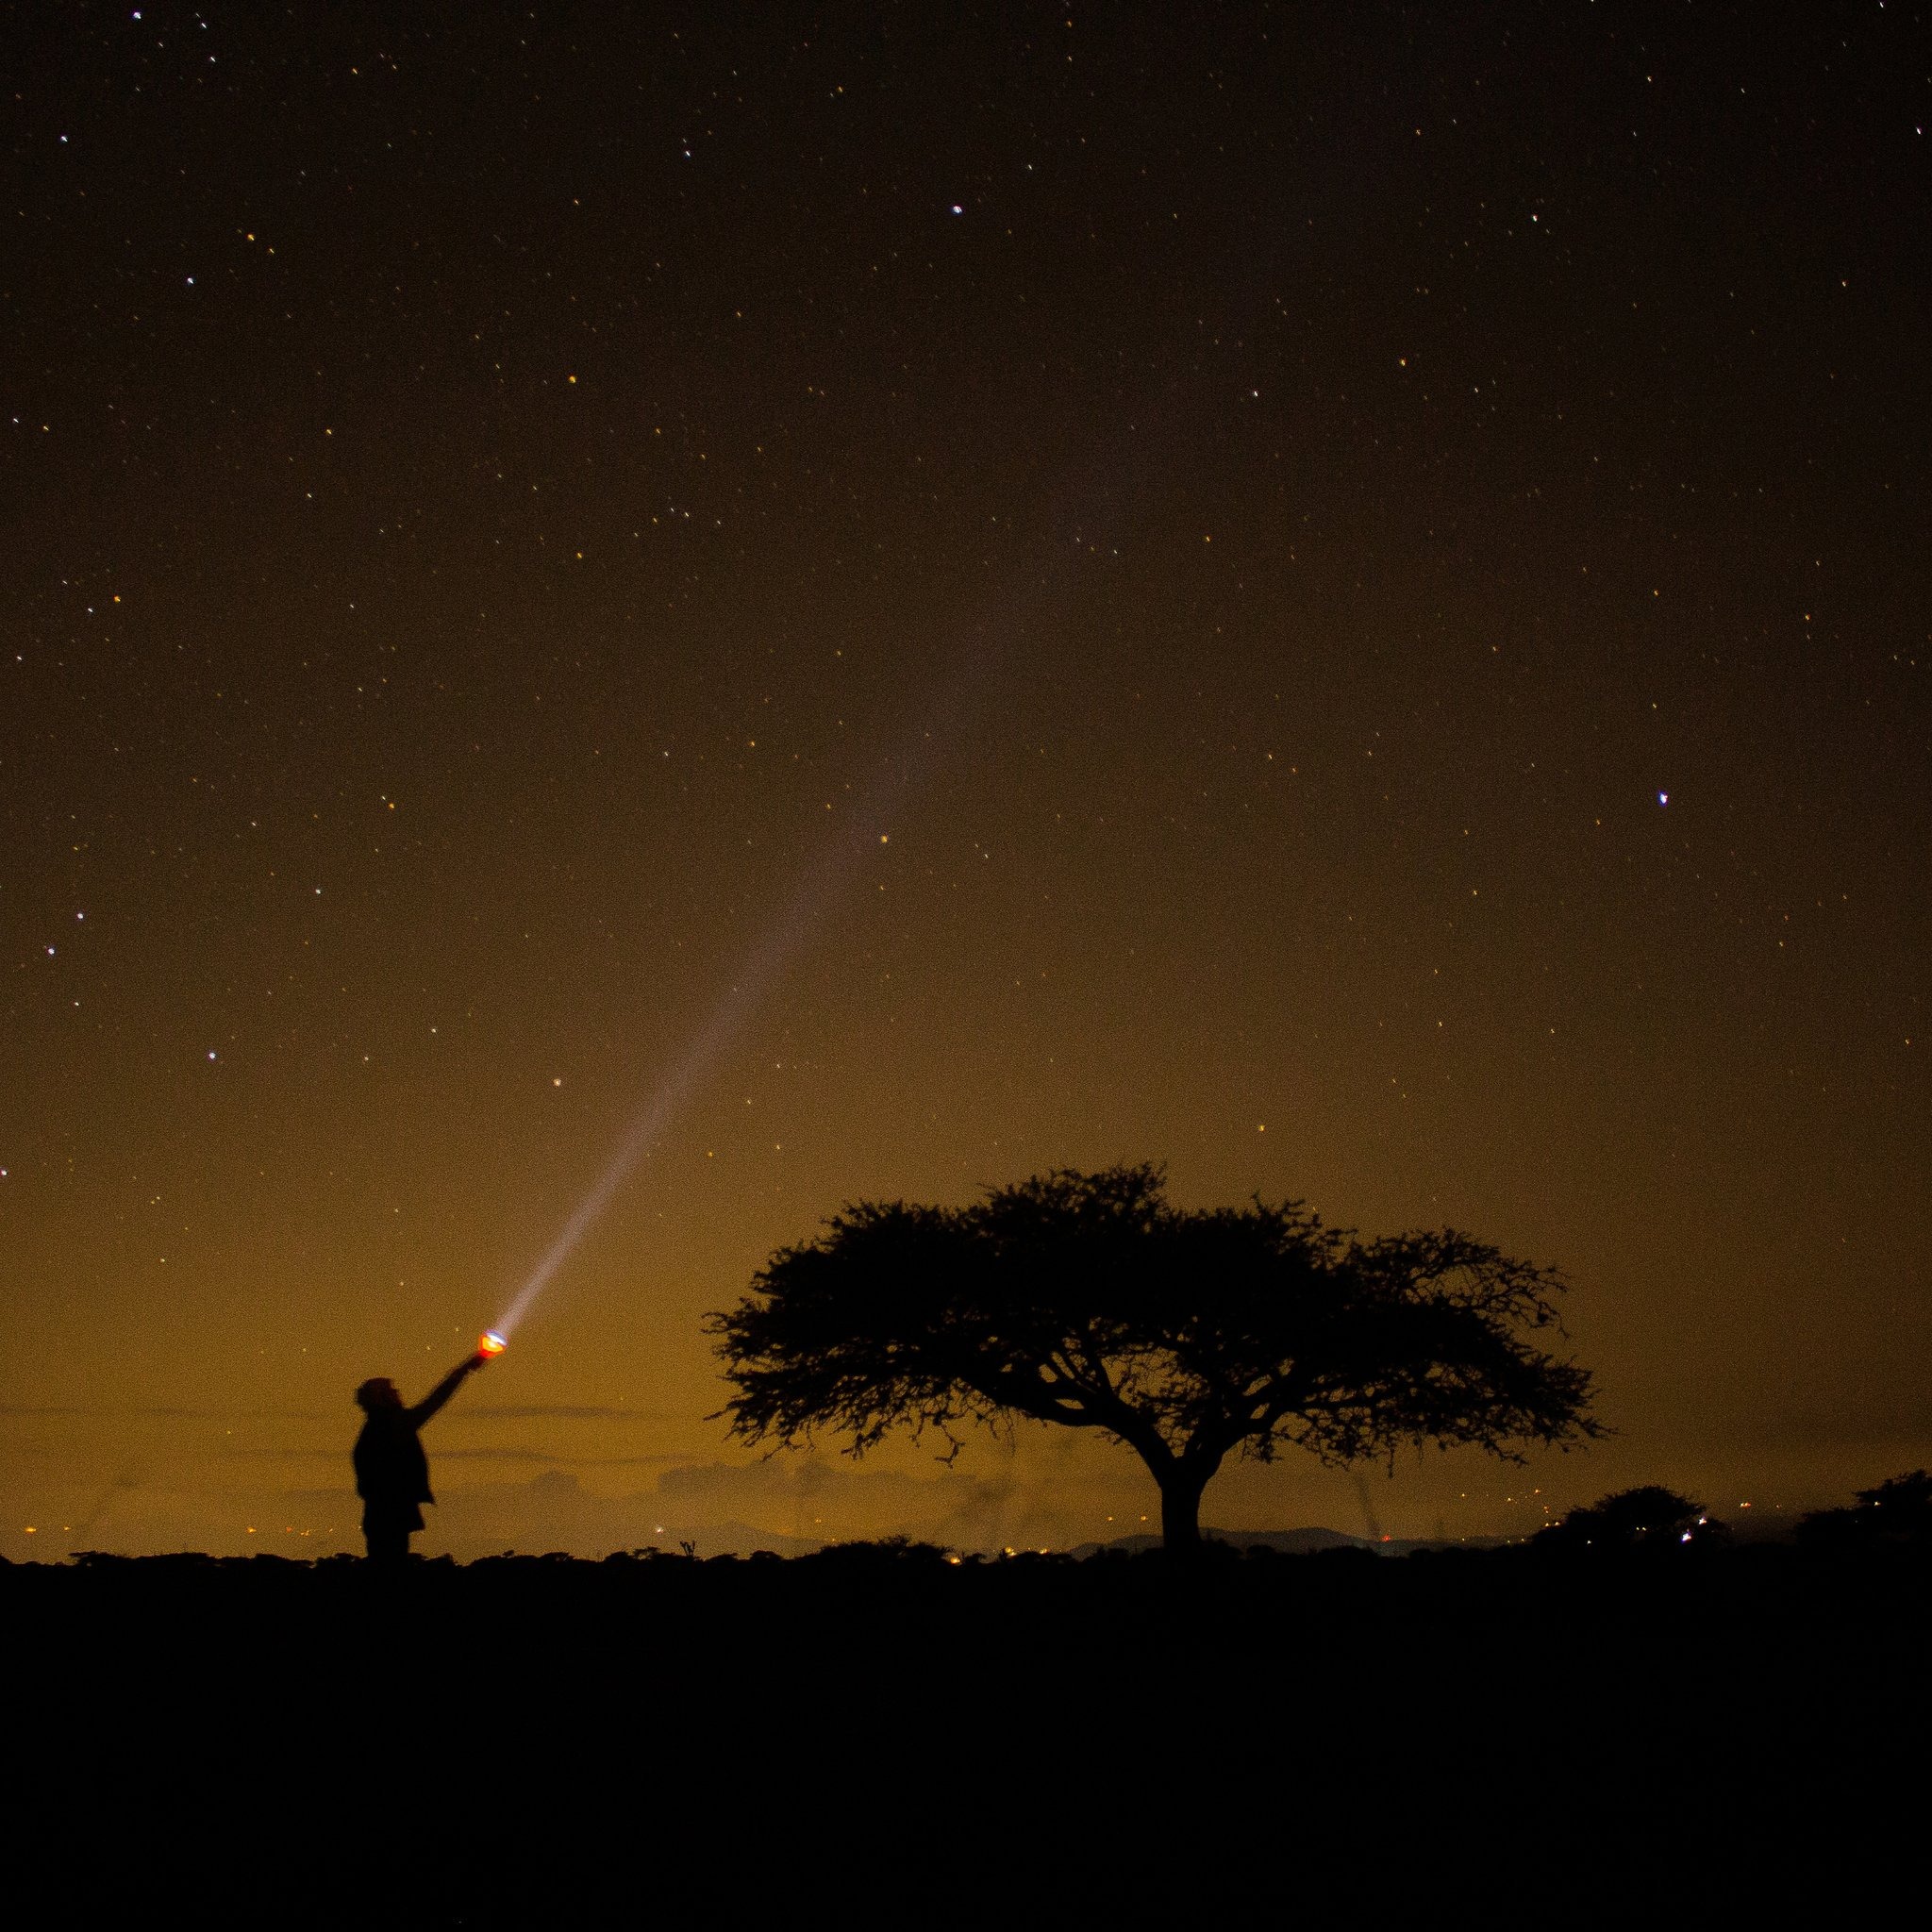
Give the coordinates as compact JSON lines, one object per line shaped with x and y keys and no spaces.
{"x":1180,"y":1516}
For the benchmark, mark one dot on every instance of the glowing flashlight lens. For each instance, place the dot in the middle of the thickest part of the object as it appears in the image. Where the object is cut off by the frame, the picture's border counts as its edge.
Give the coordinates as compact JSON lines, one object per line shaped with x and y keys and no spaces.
{"x":492,"y":1344}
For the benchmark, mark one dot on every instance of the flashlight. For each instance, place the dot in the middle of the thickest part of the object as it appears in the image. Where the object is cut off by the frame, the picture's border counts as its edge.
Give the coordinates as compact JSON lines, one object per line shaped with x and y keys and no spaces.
{"x":492,"y":1344}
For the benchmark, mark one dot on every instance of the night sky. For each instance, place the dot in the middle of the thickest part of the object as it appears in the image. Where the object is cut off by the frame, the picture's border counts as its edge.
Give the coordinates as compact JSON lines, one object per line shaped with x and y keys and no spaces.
{"x":1336,"y":596}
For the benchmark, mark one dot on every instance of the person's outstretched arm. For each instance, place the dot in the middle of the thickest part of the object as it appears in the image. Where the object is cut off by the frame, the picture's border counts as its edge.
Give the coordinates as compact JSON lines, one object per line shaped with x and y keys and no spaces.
{"x":446,"y":1387}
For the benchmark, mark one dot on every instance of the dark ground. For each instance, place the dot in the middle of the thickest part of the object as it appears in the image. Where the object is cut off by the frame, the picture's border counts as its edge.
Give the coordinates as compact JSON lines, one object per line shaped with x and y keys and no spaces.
{"x":896,"y":1740}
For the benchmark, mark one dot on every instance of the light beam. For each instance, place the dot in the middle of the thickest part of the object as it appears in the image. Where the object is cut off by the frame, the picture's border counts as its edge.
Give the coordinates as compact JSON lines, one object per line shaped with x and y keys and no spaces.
{"x":781,"y":944}
{"x":942,"y":718}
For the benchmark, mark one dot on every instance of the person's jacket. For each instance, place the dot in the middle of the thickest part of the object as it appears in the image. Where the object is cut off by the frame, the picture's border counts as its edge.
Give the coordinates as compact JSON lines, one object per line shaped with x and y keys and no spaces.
{"x":391,"y":1466}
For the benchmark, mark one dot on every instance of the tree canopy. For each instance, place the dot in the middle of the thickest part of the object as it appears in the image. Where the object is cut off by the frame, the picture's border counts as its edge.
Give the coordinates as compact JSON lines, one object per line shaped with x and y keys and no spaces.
{"x":1896,"y":1514}
{"x":1651,"y":1517}
{"x":1091,"y":1301}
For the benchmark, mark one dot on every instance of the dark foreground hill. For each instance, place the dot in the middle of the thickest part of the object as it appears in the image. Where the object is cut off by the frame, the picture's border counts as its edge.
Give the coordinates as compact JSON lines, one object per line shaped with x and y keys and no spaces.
{"x":884,"y":1739}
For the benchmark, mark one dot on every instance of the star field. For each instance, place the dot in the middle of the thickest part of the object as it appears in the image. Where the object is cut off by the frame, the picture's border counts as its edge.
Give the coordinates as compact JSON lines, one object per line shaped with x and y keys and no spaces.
{"x":1334,"y":596}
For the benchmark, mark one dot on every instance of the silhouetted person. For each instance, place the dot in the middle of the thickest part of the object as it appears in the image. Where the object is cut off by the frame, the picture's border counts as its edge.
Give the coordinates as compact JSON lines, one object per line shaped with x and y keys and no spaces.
{"x":392,"y":1472}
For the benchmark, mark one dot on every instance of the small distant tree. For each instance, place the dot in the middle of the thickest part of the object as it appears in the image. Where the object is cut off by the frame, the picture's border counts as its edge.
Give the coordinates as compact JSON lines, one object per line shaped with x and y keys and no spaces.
{"x":1898,"y":1512}
{"x":1646,"y":1518}
{"x":1901,"y":1505}
{"x":1090,"y":1300}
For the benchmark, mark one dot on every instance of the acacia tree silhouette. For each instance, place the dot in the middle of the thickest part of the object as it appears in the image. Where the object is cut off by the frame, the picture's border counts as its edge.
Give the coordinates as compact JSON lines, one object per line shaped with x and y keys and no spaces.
{"x":1087,"y":1300}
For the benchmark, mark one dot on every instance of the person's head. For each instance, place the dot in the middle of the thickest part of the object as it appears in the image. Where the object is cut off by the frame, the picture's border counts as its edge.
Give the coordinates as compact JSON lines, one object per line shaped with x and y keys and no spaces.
{"x":378,"y":1393}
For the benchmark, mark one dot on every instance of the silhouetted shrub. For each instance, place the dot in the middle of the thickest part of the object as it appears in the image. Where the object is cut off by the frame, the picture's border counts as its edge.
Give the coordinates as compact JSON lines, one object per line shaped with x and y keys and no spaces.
{"x":887,"y":1553}
{"x":1897,"y":1514}
{"x":1648,"y":1517}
